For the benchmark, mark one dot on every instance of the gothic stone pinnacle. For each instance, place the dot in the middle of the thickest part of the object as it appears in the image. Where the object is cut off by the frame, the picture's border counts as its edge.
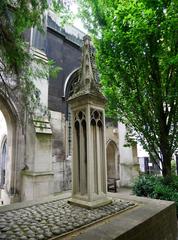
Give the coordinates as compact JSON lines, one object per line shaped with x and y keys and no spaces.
{"x":88,"y":76}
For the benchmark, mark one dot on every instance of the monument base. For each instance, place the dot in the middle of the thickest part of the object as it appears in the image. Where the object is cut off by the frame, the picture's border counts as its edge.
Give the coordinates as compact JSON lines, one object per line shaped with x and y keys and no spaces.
{"x":92,"y":204}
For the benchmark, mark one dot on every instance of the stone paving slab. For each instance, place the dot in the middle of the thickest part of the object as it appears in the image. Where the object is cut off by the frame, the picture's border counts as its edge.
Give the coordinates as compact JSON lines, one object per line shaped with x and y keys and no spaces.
{"x":54,"y":218}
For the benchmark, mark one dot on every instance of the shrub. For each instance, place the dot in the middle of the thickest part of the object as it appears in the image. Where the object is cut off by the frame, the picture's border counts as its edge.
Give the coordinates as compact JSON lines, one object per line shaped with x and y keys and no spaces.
{"x":144,"y":185}
{"x":157,"y":187}
{"x":173,"y":167}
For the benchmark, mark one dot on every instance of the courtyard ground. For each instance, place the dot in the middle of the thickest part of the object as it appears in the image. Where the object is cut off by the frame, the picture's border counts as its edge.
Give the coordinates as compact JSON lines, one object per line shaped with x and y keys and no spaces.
{"x":22,"y":213}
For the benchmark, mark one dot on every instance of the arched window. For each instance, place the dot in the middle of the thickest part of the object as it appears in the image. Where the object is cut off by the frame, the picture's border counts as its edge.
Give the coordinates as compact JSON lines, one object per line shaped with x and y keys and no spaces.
{"x":68,"y":91}
{"x":3,"y":161}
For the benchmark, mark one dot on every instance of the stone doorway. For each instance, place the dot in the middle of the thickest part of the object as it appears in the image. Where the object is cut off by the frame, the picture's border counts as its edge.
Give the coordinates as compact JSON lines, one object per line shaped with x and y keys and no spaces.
{"x":112,"y":166}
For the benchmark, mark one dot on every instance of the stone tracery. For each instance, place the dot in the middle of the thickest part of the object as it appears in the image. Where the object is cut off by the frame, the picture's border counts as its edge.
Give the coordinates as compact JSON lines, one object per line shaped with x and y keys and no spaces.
{"x":80,"y":136}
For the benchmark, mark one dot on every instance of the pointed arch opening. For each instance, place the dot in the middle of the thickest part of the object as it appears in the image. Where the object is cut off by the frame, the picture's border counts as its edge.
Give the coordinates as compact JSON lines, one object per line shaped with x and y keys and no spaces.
{"x":8,"y":151}
{"x":3,"y":154}
{"x":112,"y":165}
{"x":68,"y":91}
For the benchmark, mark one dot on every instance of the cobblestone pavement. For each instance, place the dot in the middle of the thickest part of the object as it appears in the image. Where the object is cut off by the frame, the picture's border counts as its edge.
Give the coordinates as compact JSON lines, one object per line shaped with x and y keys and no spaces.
{"x":47,"y":220}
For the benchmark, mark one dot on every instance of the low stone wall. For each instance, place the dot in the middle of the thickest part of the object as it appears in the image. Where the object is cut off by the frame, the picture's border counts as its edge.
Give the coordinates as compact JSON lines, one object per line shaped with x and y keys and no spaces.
{"x":151,"y":220}
{"x":160,"y":226}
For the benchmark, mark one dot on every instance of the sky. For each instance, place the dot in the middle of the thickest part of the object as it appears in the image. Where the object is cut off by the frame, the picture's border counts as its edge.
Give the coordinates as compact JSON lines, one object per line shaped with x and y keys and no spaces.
{"x":3,"y":127}
{"x":77,"y":22}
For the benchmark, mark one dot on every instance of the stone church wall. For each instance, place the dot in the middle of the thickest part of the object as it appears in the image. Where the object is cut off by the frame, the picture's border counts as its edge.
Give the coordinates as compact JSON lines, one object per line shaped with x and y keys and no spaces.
{"x":61,"y":165}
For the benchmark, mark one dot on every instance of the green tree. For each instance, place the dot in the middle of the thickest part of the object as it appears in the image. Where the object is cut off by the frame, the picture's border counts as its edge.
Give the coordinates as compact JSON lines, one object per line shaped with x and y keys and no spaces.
{"x":137,"y":45}
{"x":16,"y":71}
{"x":15,"y":18}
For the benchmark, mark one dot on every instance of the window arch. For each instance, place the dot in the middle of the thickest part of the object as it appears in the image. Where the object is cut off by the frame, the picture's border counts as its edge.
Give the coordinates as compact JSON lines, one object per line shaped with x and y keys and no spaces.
{"x":112,"y":159}
{"x":69,"y":83}
{"x":68,"y":91}
{"x":3,"y":160}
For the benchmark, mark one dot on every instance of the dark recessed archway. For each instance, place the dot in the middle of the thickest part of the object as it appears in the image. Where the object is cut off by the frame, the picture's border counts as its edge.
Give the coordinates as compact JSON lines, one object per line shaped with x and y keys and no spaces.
{"x":71,"y":80}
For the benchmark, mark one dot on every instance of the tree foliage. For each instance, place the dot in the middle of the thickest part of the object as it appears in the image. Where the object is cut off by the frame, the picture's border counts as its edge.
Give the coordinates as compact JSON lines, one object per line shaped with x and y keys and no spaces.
{"x":15,"y":18}
{"x":15,"y":59}
{"x":137,"y":45}
{"x":16,"y":69}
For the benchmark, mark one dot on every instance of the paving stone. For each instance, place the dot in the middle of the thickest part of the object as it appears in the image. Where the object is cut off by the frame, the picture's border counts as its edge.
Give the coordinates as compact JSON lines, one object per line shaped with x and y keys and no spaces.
{"x":23,"y":238}
{"x":41,"y":237}
{"x":3,"y":236}
{"x":48,"y":233}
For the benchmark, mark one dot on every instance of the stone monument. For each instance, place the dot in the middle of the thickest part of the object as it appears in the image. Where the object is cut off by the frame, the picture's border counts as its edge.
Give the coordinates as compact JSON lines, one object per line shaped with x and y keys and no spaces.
{"x":88,"y":123}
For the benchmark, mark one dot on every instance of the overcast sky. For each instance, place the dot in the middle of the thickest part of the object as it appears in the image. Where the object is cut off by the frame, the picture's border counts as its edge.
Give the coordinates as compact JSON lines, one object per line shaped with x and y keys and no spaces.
{"x":3,"y":128}
{"x":77,"y":22}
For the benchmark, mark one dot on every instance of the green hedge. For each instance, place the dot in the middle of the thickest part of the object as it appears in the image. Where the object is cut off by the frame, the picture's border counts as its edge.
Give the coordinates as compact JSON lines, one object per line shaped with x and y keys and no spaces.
{"x":157,"y":187}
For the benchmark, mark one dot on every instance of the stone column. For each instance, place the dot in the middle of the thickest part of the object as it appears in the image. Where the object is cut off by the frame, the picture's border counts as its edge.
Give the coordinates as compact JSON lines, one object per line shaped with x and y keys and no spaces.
{"x":88,"y":124}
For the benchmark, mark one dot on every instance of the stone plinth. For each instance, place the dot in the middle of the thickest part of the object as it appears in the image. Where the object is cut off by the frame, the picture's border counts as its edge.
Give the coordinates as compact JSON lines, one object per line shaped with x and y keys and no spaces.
{"x":36,"y":185}
{"x":89,"y":157}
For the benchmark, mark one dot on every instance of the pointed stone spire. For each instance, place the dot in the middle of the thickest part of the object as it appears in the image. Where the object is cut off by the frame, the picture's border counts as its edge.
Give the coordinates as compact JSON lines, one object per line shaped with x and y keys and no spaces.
{"x":88,"y":82}
{"x":88,"y":68}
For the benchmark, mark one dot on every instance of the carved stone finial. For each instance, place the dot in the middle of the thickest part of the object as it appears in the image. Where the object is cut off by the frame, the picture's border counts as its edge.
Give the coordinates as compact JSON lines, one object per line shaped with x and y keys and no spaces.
{"x":89,"y":60}
{"x":88,"y":75}
{"x":86,"y":38}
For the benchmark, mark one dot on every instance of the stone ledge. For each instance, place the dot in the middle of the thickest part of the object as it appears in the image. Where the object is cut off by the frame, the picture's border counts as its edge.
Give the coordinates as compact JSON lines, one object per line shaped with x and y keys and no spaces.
{"x":39,"y":54}
{"x":151,"y":219}
{"x":42,"y":126}
{"x":30,"y":203}
{"x":36,"y":174}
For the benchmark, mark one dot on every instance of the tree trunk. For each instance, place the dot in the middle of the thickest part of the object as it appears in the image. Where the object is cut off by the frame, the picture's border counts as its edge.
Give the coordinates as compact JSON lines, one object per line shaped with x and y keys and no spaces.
{"x":165,"y":148}
{"x":166,"y":165}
